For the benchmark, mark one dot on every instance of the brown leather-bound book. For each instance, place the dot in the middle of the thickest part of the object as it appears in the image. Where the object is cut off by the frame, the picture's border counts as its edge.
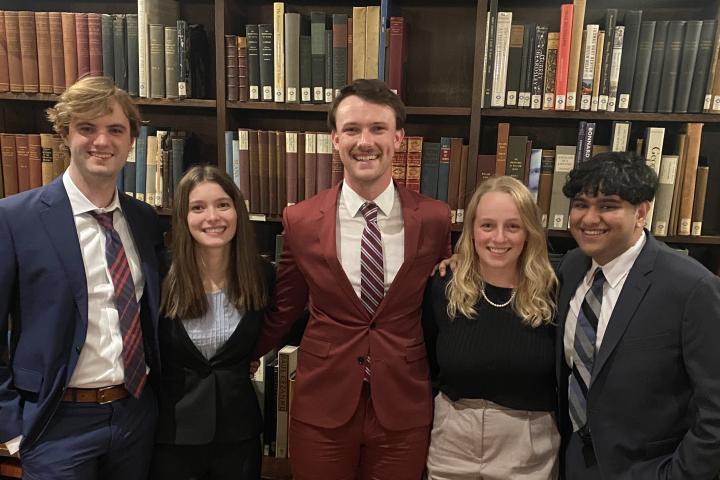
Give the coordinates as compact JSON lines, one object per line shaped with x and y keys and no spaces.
{"x":4,"y":75}
{"x":701,"y":180}
{"x":301,"y":167}
{"x":414,"y":163}
{"x":94,"y":21}
{"x":9,"y":163}
{"x":694,"y":133}
{"x":291,"y":167}
{"x":15,"y":65}
{"x":69,"y":39}
{"x":547,"y":166}
{"x":253,"y":149}
{"x":264,"y":172}
{"x":82,"y":40}
{"x":244,"y":164}
{"x":337,"y":168}
{"x":231,"y":68}
{"x":44,"y":53}
{"x":281,"y":171}
{"x":348,"y":72}
{"x":242,"y":73}
{"x":29,"y":52}
{"x":454,"y":175}
{"x":502,"y":148}
{"x":397,"y":54}
{"x":399,"y":163}
{"x":324,"y":161}
{"x":485,"y":169}
{"x":35,"y":158}
{"x":58,"y":156}
{"x":272,"y":172}
{"x":56,"y":52}
{"x":679,"y":175}
{"x":23,"y":162}
{"x":46,"y":148}
{"x":310,"y":164}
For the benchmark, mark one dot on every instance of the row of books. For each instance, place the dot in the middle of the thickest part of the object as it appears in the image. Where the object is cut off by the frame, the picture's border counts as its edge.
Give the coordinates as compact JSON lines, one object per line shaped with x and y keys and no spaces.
{"x":274,"y":168}
{"x":44,"y":52}
{"x":300,"y":59}
{"x":679,"y":204}
{"x":626,"y":64}
{"x":30,"y":161}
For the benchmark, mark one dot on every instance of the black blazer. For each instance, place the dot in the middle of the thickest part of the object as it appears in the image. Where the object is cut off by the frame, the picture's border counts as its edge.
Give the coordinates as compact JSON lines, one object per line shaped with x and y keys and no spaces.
{"x":203,"y":400}
{"x":654,"y":399}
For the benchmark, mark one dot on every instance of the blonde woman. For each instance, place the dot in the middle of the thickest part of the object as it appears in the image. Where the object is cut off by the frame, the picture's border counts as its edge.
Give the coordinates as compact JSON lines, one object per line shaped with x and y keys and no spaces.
{"x":491,"y":345}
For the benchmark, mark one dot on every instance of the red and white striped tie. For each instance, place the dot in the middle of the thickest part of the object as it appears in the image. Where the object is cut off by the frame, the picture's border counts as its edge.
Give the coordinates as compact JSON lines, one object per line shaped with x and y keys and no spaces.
{"x":372,"y":273}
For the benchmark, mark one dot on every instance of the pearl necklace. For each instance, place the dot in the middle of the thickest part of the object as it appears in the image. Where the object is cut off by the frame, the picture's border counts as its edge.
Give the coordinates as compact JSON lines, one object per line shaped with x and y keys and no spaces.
{"x":497,"y":305}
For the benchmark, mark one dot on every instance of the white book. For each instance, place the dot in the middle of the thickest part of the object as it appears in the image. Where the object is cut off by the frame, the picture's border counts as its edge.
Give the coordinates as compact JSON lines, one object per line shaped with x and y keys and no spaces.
{"x":236,"y":162}
{"x":287,"y":365}
{"x":151,"y":169}
{"x":664,"y":195}
{"x":502,"y":45}
{"x":588,"y":72}
{"x":615,"y":67}
{"x":595,"y":98}
{"x":279,"y":50}
{"x":559,"y":203}
{"x":620,"y":136}
{"x":654,"y":137}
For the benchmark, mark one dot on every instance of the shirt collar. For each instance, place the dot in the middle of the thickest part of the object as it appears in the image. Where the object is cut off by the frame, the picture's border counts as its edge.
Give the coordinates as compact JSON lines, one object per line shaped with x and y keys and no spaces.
{"x":353,"y":202}
{"x":80,"y":203}
{"x":616,"y":269}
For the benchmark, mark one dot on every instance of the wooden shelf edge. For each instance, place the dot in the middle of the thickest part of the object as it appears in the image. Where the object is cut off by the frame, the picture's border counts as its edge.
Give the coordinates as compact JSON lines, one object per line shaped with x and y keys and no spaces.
{"x":584,"y":115}
{"x":160,"y":102}
{"x":323,"y":107}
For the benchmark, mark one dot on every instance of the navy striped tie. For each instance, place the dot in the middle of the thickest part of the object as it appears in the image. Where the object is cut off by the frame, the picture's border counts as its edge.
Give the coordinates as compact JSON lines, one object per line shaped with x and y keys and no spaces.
{"x":584,"y":351}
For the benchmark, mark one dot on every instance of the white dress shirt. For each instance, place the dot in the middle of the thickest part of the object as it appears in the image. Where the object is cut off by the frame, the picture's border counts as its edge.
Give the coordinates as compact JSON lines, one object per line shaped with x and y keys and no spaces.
{"x":616,"y":272}
{"x":100,"y":363}
{"x":350,"y":226}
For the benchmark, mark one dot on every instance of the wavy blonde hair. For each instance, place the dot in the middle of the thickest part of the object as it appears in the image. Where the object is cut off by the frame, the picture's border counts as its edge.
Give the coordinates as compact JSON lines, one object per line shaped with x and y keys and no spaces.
{"x":534,"y":298}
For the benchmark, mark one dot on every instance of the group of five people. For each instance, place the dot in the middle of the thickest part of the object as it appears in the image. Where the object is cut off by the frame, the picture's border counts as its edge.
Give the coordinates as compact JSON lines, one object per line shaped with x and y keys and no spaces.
{"x":116,"y":363}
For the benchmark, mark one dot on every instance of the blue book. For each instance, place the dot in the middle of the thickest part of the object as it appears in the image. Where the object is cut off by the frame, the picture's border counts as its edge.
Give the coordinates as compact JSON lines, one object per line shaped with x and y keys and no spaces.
{"x":429,"y":169}
{"x":384,"y":19}
{"x":444,"y":169}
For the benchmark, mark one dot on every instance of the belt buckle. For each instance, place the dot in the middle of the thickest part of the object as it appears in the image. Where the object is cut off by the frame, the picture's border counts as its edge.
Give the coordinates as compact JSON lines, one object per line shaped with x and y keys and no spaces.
{"x":101,"y":394}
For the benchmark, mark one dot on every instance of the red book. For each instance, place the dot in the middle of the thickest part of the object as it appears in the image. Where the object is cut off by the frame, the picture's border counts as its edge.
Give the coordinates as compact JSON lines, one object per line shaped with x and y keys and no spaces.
{"x":95,"y":43}
{"x":485,"y":169}
{"x":82,"y":38}
{"x":301,"y":167}
{"x":29,"y":53}
{"x":563,"y":55}
{"x":244,"y":164}
{"x":310,"y":164}
{"x":273,"y":194}
{"x":35,"y":157}
{"x":414,"y":163}
{"x":69,"y":39}
{"x":281,"y":172}
{"x":291,"y":167}
{"x":56,"y":52}
{"x":399,"y":163}
{"x":44,"y":52}
{"x":9,"y":163}
{"x":15,"y":66}
{"x":253,"y":140}
{"x":23,"y":162}
{"x":337,"y":168}
{"x":4,"y":75}
{"x":264,"y":171}
{"x":397,"y":54}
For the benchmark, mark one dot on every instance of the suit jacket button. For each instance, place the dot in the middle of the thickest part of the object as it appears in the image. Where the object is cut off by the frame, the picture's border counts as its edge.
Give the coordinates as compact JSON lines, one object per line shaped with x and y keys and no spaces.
{"x":361,"y":360}
{"x":77,"y":349}
{"x":372,"y":326}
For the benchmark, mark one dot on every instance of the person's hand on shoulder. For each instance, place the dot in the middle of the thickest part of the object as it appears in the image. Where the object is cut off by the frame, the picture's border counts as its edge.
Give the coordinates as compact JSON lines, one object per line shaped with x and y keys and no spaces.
{"x":442,"y":267}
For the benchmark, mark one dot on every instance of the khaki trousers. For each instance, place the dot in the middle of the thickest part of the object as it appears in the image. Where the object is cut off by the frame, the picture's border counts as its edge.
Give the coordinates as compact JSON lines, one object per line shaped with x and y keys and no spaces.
{"x":480,"y":440}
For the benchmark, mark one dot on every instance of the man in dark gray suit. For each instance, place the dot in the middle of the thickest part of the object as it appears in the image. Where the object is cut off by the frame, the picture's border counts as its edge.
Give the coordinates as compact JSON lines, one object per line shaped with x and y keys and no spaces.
{"x":638,"y":359}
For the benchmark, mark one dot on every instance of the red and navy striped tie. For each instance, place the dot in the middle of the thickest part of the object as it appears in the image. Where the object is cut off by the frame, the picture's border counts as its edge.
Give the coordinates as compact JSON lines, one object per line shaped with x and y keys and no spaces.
{"x":133,"y":353}
{"x":372,"y":273}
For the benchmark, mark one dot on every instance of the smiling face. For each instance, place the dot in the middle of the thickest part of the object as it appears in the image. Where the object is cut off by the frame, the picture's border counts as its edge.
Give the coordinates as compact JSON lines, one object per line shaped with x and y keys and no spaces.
{"x":366,"y":138}
{"x":98,"y":146}
{"x":499,"y":236}
{"x":212,"y":219}
{"x":605,"y":226}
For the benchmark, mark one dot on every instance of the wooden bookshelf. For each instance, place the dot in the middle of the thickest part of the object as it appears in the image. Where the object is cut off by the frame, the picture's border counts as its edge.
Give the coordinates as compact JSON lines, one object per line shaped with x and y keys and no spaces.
{"x":510,"y":113}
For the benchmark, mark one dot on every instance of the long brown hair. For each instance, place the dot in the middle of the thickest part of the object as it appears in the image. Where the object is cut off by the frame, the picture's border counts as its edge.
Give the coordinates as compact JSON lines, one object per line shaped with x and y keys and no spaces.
{"x":183,"y":295}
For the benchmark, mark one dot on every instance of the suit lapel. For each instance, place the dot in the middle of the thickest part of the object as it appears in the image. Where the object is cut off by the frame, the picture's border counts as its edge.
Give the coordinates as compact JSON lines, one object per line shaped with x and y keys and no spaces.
{"x":57,"y":218}
{"x":627,"y":303}
{"x":570,"y":282}
{"x":327,"y":236}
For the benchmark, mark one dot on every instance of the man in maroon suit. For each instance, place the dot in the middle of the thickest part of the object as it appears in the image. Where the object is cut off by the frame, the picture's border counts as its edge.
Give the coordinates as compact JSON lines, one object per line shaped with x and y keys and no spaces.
{"x":358,"y":255}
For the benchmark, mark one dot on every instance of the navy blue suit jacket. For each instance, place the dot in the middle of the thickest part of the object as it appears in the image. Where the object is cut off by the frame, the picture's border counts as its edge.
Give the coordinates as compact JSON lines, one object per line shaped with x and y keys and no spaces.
{"x":44,"y":304}
{"x":654,"y":399}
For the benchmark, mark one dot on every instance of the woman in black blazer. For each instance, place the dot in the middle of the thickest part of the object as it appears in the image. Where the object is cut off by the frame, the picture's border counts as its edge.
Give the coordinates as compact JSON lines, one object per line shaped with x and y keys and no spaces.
{"x":214,"y":296}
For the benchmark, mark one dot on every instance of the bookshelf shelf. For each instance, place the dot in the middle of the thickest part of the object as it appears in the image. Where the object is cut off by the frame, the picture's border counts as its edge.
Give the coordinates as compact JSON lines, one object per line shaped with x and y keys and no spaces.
{"x":309,"y":107}
{"x":600,"y":116}
{"x":51,"y":98}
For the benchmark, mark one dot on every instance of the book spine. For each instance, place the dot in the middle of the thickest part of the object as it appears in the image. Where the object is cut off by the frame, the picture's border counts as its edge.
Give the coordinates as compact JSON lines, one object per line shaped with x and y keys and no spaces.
{"x":462,"y":194}
{"x":578,"y":19}
{"x":108,"y":59}
{"x":310,"y":164}
{"x":272,"y":154}
{"x":231,"y":68}
{"x":615,"y":67}
{"x":44,"y":52}
{"x":541,"y":41}
{"x":264,"y":171}
{"x":15,"y":63}
{"x":291,"y":162}
{"x":501,"y":148}
{"x":301,"y":166}
{"x":143,"y":50}
{"x":292,"y":57}
{"x":399,"y":163}
{"x":664,"y":196}
{"x":620,"y":136}
{"x":157,"y":62}
{"x":383,"y":39}
{"x":279,"y":51}
{"x":694,"y":134}
{"x":633,"y":19}
{"x":515,"y":166}
{"x":243,"y":175}
{"x":429,"y":169}
{"x":595,"y":99}
{"x":328,"y":92}
{"x":657,"y":58}
{"x":608,"y":50}
{"x":502,"y":46}
{"x":444,"y":169}
{"x":56,"y":52}
{"x":702,"y":67}
{"x":340,"y":50}
{"x":9,"y":164}
{"x":4,"y":74}
{"x":514,"y":65}
{"x":95,"y":45}
{"x":183,"y":56}
{"x":120,"y":53}
{"x":654,"y":137}
{"x":35,"y":160}
{"x":141,"y":149}
{"x":253,"y":46}
{"x":324,"y":161}
{"x":690,"y":48}
{"x":131,"y":51}
{"x":698,"y":210}
{"x":266,"y":62}
{"x":563,"y":56}
{"x":254,"y":153}
{"x":559,"y":204}
{"x":588,"y":141}
{"x":82,"y":39}
{"x":23,"y":162}
{"x":528,"y":49}
{"x":171,"y":61}
{"x":372,"y":41}
{"x":317,"y":52}
{"x":414,"y":163}
{"x":348,"y":71}
{"x":359,"y":19}
{"x":671,"y":66}
{"x":28,"y":52}
{"x":46,"y":149}
{"x":490,"y":56}
{"x":588,"y":71}
{"x":579,"y":152}
{"x":642,"y":65}
{"x":305,"y":69}
{"x":242,"y":69}
{"x":550,"y":70}
{"x":547,"y":166}
{"x":130,"y":172}
{"x":454,"y":176}
{"x":281,"y":148}
{"x":712,"y":101}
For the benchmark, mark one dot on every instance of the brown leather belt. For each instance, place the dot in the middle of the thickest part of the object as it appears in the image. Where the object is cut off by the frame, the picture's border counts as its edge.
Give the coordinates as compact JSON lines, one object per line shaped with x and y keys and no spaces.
{"x":95,"y":395}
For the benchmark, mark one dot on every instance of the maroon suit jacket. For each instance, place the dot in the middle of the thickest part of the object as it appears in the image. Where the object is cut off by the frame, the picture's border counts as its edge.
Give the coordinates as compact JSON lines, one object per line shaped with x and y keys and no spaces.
{"x":341,"y":332}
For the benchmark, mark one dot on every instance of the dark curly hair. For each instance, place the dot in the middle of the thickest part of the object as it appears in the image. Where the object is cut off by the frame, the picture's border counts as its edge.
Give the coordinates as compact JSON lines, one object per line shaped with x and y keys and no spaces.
{"x":624,"y":174}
